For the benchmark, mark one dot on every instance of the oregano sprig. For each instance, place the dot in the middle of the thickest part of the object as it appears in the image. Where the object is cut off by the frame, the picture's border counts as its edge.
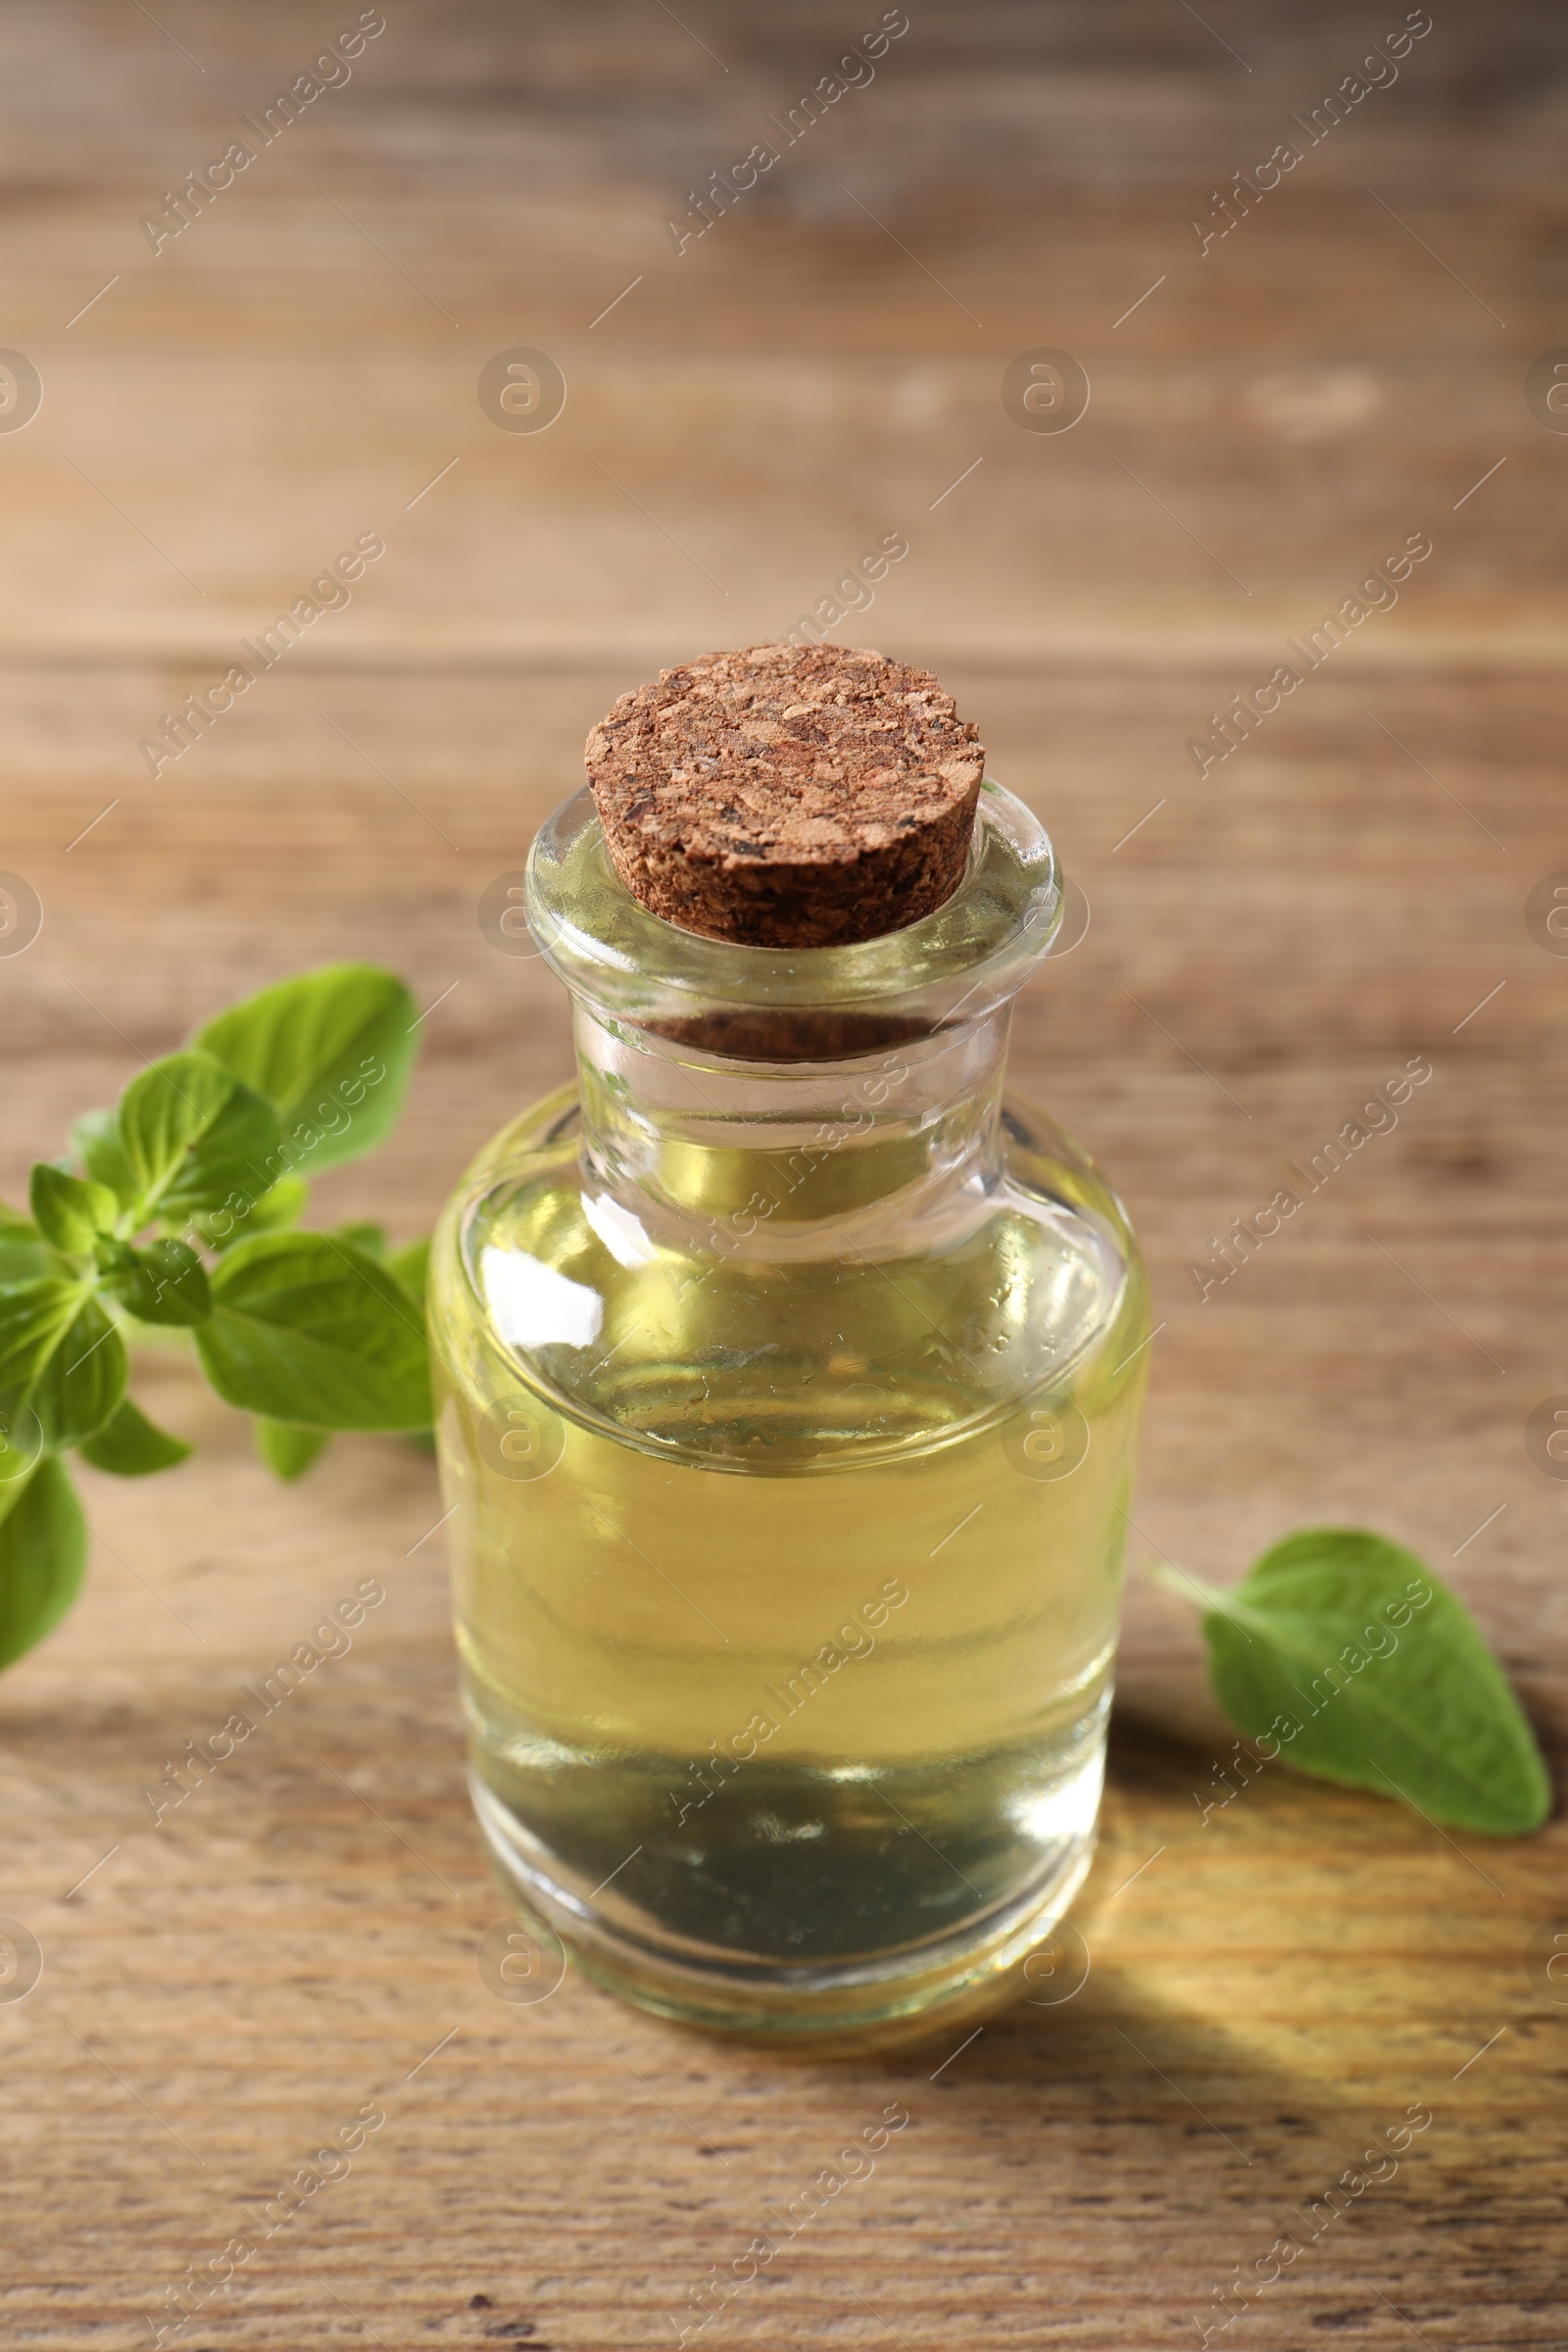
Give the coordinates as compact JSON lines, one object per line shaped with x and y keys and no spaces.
{"x":178,"y":1210}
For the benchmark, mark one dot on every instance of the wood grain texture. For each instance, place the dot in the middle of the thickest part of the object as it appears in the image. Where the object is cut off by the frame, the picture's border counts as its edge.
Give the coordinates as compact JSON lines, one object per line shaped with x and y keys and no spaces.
{"x":1267,"y":1988}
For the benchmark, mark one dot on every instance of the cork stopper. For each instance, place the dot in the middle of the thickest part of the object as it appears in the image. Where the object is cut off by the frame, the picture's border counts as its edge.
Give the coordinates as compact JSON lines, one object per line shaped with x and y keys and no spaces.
{"x":788,"y":796}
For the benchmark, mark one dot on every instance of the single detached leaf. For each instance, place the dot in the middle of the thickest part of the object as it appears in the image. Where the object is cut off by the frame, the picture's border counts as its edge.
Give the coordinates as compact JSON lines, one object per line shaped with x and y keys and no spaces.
{"x":70,"y":1211}
{"x":43,"y":1550}
{"x":158,"y":1282}
{"x":1346,"y":1651}
{"x":61,"y":1359}
{"x":287,"y":1449}
{"x":95,"y":1141}
{"x":308,"y":1329}
{"x":192,"y":1135}
{"x":331,"y":1051}
{"x":131,"y":1445}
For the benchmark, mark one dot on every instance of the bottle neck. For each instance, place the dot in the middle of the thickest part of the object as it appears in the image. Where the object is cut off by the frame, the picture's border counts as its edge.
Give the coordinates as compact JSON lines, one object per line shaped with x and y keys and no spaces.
{"x":780,"y":1160}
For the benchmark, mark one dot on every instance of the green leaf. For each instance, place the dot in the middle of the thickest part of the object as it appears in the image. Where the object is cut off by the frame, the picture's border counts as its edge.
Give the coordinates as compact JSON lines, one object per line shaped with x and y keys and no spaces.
{"x":68,"y":1210}
{"x":60,"y":1358}
{"x":33,"y":1319}
{"x":131,"y":1445}
{"x":287,"y":1449}
{"x":311,"y":1329}
{"x":43,"y":1550}
{"x":20,"y":1262}
{"x":411,"y":1264}
{"x":282,"y":1205}
{"x":83,"y":1380}
{"x":1345,"y":1650}
{"x":158,"y":1282}
{"x":15,"y":1227}
{"x":192,"y":1135}
{"x":165,"y":1113}
{"x":95,"y":1141}
{"x":232,"y":1167}
{"x":331,"y":1051}
{"x":371,"y":1239}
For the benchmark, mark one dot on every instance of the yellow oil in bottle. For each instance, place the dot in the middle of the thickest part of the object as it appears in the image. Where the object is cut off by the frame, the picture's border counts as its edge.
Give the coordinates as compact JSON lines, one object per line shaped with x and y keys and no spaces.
{"x":786,"y":1576}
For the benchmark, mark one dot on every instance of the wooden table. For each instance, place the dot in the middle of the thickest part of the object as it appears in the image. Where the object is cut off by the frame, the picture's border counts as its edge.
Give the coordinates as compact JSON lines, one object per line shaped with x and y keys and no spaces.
{"x":1268,"y":418}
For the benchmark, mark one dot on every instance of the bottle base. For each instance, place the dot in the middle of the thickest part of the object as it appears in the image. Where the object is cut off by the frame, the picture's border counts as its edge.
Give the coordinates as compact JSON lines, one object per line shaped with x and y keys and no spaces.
{"x":825,"y":2010}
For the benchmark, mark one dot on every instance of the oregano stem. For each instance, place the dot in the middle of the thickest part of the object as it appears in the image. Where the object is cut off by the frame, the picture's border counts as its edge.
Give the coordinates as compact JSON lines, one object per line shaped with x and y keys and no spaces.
{"x":1190,"y":1588}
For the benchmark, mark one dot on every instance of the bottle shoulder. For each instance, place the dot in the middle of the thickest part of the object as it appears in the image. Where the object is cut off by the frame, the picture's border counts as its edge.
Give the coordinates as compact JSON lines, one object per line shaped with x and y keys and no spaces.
{"x":746,"y":1336}
{"x":542,"y":1143}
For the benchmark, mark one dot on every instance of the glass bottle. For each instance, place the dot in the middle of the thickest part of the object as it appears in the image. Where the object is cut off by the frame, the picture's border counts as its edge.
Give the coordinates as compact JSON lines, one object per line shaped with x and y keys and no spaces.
{"x":789,"y":1384}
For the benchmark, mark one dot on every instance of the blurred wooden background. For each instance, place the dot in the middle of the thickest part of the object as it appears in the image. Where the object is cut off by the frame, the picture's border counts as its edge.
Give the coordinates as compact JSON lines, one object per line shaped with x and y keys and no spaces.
{"x":300,"y":364}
